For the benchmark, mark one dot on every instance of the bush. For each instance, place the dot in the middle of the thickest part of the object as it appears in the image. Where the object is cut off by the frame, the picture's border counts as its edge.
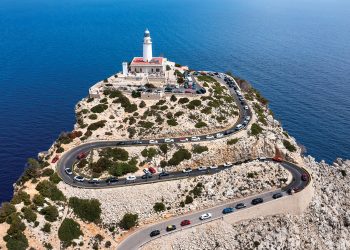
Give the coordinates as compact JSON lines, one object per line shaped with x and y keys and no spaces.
{"x":232,"y":141}
{"x":179,"y":156}
{"x":99,"y":108}
{"x":188,"y":199}
{"x":93,"y":117}
{"x":101,"y":165}
{"x":55,"y":178}
{"x":17,"y":241}
{"x":16,"y":225}
{"x":146,"y":124}
{"x":256,"y":129}
{"x":206,"y":110}
{"x":200,"y":124}
{"x":50,"y":213}
{"x":48,"y":172}
{"x":128,"y":221}
{"x":168,"y":68}
{"x":164,"y":148}
{"x":183,"y":100}
{"x":197,"y":190}
{"x":96,"y":125}
{"x":6,"y":210}
{"x":38,"y":200}
{"x":173,"y":98}
{"x":159,"y":207}
{"x":108,"y":244}
{"x":172,"y":122}
{"x":122,"y":168}
{"x":135,"y":94}
{"x":115,"y":94}
{"x":69,"y":230}
{"x":59,"y":150}
{"x":31,"y":172}
{"x":50,"y":190}
{"x":21,"y":196}
{"x":198,"y":149}
{"x":178,"y":114}
{"x":142,"y":104}
{"x":194,"y":103}
{"x":115,"y":153}
{"x":88,"y":210}
{"x":289,"y":146}
{"x":149,"y":153}
{"x":29,"y":214}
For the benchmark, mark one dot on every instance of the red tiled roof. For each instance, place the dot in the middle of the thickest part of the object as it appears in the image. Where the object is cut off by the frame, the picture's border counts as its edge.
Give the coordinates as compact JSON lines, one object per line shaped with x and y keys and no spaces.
{"x":140,"y":61}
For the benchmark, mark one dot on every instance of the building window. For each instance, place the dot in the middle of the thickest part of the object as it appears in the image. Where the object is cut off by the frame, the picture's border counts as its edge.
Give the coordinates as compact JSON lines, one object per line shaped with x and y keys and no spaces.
{"x":152,"y":70}
{"x":157,"y":70}
{"x":140,"y":69}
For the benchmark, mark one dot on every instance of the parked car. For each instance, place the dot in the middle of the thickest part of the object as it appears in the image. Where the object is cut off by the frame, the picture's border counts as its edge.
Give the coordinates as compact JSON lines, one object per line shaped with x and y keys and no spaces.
{"x":277,"y":195}
{"x":79,"y":178}
{"x":277,"y":158}
{"x":55,"y":159}
{"x":94,"y":181}
{"x":183,"y":140}
{"x":246,"y":107}
{"x":205,"y":216}
{"x":209,"y":137}
{"x":228,"y":210}
{"x":81,"y":155}
{"x":68,"y":171}
{"x":187,"y":170}
{"x":228,"y":164}
{"x":194,"y":138}
{"x":247,"y":118}
{"x":262,"y":158}
{"x":213,"y":166}
{"x":240,"y":206}
{"x":185,"y":223}
{"x":111,"y":180}
{"x":170,"y":228}
{"x":219,"y":135}
{"x":154,"y":233}
{"x":146,"y":176}
{"x":152,"y":170}
{"x":168,"y":140}
{"x":131,"y":178}
{"x":304,"y":177}
{"x":153,"y":141}
{"x":145,"y":170}
{"x":239,"y":126}
{"x":201,"y":168}
{"x":257,"y":201}
{"x":162,"y":174}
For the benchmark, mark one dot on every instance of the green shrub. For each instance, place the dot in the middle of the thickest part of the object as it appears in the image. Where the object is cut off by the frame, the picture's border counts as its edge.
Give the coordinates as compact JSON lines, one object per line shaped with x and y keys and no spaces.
{"x":96,"y":125}
{"x":142,"y":104}
{"x":38,"y":200}
{"x":206,"y":110}
{"x":17,"y":241}
{"x":183,"y":100}
{"x":50,"y":213}
{"x":194,"y":103}
{"x":172,"y":122}
{"x":232,"y":141}
{"x":146,"y":124}
{"x":256,"y":129}
{"x":48,"y":172}
{"x":179,"y":156}
{"x":31,"y":172}
{"x":101,"y":165}
{"x":188,"y":199}
{"x":115,"y":153}
{"x":200,"y":124}
{"x":135,"y":94}
{"x":159,"y":207}
{"x":182,"y":204}
{"x":122,"y":168}
{"x":128,"y":221}
{"x":164,"y":148}
{"x":206,"y":78}
{"x":198,"y":149}
{"x":59,"y":150}
{"x":99,"y":108}
{"x":88,"y":210}
{"x":173,"y":98}
{"x":29,"y":214}
{"x":50,"y":190}
{"x":197,"y":190}
{"x":93,"y":117}
{"x":19,"y":197}
{"x":115,"y":94}
{"x":16,"y":225}
{"x":149,"y":153}
{"x":46,"y":228}
{"x":69,"y":230}
{"x":55,"y":178}
{"x":178,"y":114}
{"x":289,"y":146}
{"x":6,"y":210}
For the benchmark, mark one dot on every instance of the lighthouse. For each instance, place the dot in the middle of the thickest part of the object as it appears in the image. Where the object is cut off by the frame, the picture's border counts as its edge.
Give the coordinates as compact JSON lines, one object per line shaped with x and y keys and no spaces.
{"x":147,"y":47}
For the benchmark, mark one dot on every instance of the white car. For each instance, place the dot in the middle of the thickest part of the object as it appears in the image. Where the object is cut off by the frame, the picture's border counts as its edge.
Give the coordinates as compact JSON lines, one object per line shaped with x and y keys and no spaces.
{"x":131,"y":178}
{"x":239,"y":126}
{"x":247,"y":118}
{"x":168,"y":140}
{"x":68,"y":171}
{"x":262,"y":158}
{"x":219,"y":135}
{"x":209,"y":137}
{"x":195,"y":138}
{"x":201,"y":168}
{"x":79,"y":178}
{"x":246,"y":107}
{"x":205,"y":216}
{"x":183,"y":139}
{"x":213,"y":166}
{"x":153,"y":141}
{"x":146,"y":171}
{"x":228,"y":164}
{"x":187,"y":170}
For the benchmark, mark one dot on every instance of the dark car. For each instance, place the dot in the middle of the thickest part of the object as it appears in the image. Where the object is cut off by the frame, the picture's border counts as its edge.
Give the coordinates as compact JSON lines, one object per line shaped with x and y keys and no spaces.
{"x":227,"y":210}
{"x":277,"y":195}
{"x":170,"y":228}
{"x":257,"y":201}
{"x":154,"y":233}
{"x":240,"y":206}
{"x":111,"y":180}
{"x":146,"y":176}
{"x":185,"y":223}
{"x":162,"y":174}
{"x":304,"y":177}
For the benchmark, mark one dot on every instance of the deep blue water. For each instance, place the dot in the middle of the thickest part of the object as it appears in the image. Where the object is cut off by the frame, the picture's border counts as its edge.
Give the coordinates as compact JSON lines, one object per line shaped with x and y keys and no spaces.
{"x":296,"y":52}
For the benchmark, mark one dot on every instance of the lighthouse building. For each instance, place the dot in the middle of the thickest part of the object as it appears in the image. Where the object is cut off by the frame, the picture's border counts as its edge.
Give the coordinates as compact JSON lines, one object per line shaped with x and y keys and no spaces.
{"x":147,"y":64}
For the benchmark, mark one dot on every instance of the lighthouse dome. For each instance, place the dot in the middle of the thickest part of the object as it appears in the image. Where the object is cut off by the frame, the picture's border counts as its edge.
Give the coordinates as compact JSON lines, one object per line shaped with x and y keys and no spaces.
{"x":147,"y":34}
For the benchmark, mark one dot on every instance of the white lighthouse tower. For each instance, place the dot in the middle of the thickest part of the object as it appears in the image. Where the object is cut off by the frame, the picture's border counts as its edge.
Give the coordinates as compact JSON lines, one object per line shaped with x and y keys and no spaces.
{"x":147,"y":47}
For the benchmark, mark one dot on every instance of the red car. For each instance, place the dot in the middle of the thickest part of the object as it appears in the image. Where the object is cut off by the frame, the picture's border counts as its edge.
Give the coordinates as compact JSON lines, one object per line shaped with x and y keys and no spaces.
{"x":55,"y":159}
{"x":277,"y":158}
{"x":152,"y":170}
{"x":81,"y":155}
{"x":304,"y":177}
{"x":185,"y":223}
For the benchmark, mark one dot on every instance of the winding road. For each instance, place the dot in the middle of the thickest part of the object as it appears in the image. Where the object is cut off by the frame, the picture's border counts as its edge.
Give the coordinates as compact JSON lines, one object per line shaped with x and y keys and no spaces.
{"x":142,"y":236}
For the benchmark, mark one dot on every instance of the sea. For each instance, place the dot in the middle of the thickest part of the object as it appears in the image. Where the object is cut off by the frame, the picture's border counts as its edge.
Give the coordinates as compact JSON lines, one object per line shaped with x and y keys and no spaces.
{"x":295,"y":52}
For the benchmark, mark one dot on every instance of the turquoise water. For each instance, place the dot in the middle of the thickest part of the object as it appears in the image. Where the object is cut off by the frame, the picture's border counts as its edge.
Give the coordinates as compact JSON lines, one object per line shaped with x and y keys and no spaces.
{"x":297,"y":53}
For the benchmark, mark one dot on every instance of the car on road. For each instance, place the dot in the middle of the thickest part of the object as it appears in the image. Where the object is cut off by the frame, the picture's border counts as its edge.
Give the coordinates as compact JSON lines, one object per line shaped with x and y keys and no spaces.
{"x":247,"y":118}
{"x":201,"y":168}
{"x":277,"y":195}
{"x":153,"y":141}
{"x":240,"y":206}
{"x":228,"y":164}
{"x":145,"y":170}
{"x":68,"y":171}
{"x":187,"y":170}
{"x":183,"y":139}
{"x":277,"y":158}
{"x":146,"y":176}
{"x":185,"y":223}
{"x":245,"y":122}
{"x":219,"y":135}
{"x":205,"y":216}
{"x":55,"y":159}
{"x":262,"y":158}
{"x":79,"y":178}
{"x":209,"y":137}
{"x":168,"y":140}
{"x":239,"y":126}
{"x":304,"y":177}
{"x":111,"y":180}
{"x":154,"y":233}
{"x":81,"y":155}
{"x":246,"y":107}
{"x":152,"y":170}
{"x":170,"y":228}
{"x":94,"y":181}
{"x":162,"y":174}
{"x":257,"y":201}
{"x":131,"y":178}
{"x":195,"y":138}
{"x":213,"y":166}
{"x":228,"y":210}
